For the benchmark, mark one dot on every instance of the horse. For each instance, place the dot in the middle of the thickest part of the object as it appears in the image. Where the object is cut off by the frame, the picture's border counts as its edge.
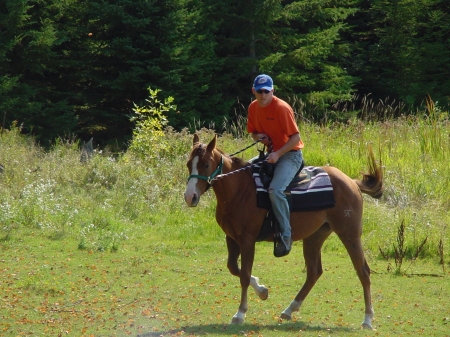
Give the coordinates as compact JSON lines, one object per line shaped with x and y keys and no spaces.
{"x":241,"y":220}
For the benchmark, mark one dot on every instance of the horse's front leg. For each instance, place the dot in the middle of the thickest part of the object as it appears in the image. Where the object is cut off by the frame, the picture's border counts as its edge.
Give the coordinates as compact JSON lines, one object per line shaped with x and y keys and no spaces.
{"x":247,"y":256}
{"x":260,"y":289}
{"x":233,"y":254}
{"x":247,"y":252}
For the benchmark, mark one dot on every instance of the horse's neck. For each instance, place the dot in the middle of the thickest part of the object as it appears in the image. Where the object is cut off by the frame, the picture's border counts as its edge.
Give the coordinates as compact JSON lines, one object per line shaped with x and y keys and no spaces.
{"x":234,"y":185}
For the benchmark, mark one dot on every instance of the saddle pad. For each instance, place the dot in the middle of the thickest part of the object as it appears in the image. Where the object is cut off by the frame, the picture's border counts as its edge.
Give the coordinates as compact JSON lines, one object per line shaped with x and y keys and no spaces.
{"x":311,"y":190}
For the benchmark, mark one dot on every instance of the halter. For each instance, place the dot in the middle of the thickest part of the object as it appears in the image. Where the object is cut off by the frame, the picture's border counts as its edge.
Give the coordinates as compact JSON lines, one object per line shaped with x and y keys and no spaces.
{"x":217,"y":174}
{"x":212,"y":176}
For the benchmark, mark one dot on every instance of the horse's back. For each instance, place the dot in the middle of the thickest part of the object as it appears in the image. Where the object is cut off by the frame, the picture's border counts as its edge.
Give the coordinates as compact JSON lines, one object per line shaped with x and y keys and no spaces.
{"x":345,"y":215}
{"x":342,"y":184}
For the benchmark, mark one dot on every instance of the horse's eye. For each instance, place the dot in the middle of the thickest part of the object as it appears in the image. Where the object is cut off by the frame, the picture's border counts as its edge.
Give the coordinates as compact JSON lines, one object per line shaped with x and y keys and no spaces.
{"x":206,"y":166}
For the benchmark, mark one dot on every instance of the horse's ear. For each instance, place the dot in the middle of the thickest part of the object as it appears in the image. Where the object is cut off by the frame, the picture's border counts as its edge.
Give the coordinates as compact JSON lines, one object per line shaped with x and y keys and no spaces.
{"x":212,"y":144}
{"x":196,"y":139}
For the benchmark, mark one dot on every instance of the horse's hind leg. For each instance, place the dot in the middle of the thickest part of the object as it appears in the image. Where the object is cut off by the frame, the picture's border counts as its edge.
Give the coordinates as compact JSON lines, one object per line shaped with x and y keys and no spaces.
{"x":312,"y":246}
{"x":234,"y":250}
{"x":355,"y":250}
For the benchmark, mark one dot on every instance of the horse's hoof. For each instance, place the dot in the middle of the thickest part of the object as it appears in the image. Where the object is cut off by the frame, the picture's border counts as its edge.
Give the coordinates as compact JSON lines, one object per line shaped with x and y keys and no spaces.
{"x":264,"y":294}
{"x":285,"y":316}
{"x":237,"y":320}
{"x":366,"y":326}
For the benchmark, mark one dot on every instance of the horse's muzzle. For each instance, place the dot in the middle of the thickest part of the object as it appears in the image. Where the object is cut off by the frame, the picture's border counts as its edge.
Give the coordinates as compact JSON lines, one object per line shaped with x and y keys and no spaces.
{"x":191,"y":199}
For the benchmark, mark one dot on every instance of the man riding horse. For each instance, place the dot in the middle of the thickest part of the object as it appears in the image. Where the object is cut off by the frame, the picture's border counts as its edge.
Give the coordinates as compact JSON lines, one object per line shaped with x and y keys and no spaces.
{"x":271,"y":120}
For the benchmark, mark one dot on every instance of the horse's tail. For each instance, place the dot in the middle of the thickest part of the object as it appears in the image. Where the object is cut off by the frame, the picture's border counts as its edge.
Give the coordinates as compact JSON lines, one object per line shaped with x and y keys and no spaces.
{"x":372,"y":182}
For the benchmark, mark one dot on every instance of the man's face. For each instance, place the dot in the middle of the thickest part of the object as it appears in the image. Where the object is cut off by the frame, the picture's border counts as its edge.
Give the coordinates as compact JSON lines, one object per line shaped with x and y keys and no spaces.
{"x":263,"y":96}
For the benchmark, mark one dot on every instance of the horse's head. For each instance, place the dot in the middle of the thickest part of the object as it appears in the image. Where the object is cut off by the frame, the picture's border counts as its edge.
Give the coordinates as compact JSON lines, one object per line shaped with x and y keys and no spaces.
{"x":204,"y":164}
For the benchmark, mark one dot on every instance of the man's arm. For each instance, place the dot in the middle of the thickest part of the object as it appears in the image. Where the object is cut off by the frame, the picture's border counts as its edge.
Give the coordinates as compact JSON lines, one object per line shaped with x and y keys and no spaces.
{"x":257,"y":136}
{"x":290,"y":144}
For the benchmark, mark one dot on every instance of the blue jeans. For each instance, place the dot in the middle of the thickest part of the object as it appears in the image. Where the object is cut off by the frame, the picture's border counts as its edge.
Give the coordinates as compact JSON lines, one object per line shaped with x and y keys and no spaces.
{"x":286,"y":168}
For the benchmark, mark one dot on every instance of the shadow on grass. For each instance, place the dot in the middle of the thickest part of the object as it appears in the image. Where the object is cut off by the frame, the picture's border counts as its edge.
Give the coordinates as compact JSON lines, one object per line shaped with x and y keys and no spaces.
{"x":230,"y":329}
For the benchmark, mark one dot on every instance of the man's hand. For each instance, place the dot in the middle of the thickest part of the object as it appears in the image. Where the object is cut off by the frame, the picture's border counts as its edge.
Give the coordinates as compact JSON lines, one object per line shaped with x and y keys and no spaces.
{"x":273,"y":157}
{"x":263,"y":137}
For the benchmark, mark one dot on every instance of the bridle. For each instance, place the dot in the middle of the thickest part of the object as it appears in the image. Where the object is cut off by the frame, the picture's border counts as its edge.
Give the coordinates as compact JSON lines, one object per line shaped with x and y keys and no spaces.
{"x":213,"y":175}
{"x":217,"y":174}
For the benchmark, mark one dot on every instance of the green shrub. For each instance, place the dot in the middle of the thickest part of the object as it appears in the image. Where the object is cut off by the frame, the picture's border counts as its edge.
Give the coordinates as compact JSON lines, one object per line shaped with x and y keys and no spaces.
{"x":149,"y":140}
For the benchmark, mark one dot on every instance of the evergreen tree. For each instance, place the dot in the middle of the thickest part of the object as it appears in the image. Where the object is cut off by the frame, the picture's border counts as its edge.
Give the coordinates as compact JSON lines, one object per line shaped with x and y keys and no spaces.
{"x":79,"y":66}
{"x":433,"y":41}
{"x":404,"y":50}
{"x":106,"y":63}
{"x":297,"y":42}
{"x":305,"y":50}
{"x":188,"y":66}
{"x":122,"y":47}
{"x":27,"y":66}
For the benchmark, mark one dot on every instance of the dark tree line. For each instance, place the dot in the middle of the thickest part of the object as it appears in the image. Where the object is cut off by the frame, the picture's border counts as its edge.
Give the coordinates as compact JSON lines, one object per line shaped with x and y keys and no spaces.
{"x":77,"y":66}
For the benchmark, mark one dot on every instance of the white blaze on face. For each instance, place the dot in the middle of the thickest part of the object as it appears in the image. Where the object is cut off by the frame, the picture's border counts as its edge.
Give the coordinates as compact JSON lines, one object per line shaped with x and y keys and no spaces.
{"x":192,"y":195}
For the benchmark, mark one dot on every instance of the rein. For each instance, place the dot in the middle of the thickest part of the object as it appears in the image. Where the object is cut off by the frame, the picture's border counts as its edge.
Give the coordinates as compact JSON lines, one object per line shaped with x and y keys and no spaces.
{"x":220,"y":176}
{"x":245,"y":148}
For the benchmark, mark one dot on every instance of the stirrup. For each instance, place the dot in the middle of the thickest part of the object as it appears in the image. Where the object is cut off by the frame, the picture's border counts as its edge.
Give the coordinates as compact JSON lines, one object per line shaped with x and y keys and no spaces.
{"x":279,"y":247}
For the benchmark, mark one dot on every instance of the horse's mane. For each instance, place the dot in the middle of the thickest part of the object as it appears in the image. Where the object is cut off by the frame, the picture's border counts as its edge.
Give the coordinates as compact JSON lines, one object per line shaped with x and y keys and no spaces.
{"x":200,"y":149}
{"x":234,"y":160}
{"x":239,"y":161}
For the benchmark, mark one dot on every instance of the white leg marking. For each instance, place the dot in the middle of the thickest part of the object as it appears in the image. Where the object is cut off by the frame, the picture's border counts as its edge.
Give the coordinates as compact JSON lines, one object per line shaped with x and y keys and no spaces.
{"x":260,"y":289}
{"x":367,"y":323}
{"x":238,"y":318}
{"x":294,"y":306}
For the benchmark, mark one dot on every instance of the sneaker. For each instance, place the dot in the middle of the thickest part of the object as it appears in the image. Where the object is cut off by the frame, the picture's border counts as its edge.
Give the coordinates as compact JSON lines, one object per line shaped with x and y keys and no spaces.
{"x":282,"y":247}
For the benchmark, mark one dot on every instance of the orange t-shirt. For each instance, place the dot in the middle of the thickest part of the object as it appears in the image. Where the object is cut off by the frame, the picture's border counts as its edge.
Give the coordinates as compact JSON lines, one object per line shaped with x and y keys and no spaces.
{"x":275,"y":120}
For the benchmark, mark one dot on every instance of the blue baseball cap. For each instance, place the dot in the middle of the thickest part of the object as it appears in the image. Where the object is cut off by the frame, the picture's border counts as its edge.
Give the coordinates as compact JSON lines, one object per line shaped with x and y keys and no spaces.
{"x":263,"y":82}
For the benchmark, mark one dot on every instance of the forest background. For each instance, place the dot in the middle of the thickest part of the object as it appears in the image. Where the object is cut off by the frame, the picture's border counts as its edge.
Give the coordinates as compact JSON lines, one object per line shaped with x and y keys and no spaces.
{"x":77,"y":67}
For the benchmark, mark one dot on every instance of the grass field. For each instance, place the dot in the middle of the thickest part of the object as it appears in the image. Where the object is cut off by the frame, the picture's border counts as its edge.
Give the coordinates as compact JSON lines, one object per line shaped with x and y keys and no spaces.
{"x":108,"y":247}
{"x":154,"y":288}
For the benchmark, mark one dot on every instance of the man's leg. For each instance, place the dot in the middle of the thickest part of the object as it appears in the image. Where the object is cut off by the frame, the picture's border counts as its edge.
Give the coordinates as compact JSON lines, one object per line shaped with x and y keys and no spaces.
{"x":287,"y":167}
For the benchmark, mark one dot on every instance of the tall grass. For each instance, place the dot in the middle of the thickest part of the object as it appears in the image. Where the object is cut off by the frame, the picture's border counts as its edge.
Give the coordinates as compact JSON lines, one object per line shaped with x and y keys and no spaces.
{"x":117,"y":197}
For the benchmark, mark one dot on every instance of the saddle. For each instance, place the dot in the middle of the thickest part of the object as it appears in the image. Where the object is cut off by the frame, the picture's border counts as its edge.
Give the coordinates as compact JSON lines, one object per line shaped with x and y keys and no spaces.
{"x":309,"y":190}
{"x":266,"y":171}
